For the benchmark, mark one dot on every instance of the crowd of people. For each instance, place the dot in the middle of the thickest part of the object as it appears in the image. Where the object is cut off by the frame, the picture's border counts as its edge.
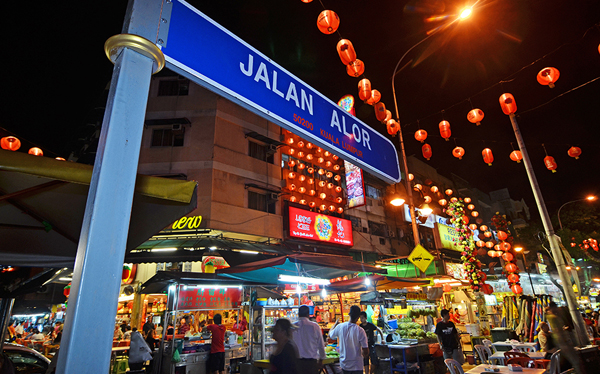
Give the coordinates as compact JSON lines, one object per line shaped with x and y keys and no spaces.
{"x":20,"y":331}
{"x":301,"y":347}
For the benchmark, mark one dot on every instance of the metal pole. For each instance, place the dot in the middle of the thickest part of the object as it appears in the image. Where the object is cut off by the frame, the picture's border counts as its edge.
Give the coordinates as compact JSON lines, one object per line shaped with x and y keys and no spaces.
{"x":556,"y":251}
{"x":6,"y":305}
{"x":558,"y":214}
{"x":98,"y":266}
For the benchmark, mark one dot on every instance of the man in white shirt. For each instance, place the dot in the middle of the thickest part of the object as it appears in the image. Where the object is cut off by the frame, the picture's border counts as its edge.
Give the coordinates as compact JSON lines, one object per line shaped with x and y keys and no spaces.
{"x":309,"y":340}
{"x":352,"y":343}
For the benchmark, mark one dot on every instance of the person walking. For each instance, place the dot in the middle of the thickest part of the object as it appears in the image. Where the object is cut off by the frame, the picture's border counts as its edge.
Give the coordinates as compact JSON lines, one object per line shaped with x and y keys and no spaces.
{"x":139,"y":352}
{"x":352,"y":343}
{"x":448,"y":338}
{"x":285,"y":358}
{"x":216,"y":358}
{"x":370,"y":330}
{"x":309,"y":340}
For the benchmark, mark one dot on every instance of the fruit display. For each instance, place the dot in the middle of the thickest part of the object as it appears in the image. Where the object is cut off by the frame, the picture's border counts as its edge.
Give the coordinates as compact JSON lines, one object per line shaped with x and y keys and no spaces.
{"x":330,"y":351}
{"x":416,"y":313}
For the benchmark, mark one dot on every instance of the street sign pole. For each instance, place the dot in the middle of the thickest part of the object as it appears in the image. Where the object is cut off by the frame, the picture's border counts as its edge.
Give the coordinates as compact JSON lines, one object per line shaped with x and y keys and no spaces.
{"x":89,"y":325}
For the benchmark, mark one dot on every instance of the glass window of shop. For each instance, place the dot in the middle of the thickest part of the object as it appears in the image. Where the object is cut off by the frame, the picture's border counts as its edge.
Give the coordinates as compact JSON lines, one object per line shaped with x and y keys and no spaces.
{"x":260,"y":201}
{"x":260,"y":152}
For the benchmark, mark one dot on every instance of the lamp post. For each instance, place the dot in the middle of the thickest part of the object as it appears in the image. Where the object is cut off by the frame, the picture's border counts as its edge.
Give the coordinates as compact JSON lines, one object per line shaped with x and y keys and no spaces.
{"x":464,"y":14}
{"x":589,"y":198}
{"x":521,"y":251}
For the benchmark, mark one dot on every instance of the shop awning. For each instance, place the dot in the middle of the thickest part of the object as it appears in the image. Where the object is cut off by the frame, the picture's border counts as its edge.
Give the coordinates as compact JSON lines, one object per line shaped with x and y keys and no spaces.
{"x":311,"y":265}
{"x":162,"y":279}
{"x":380,"y":282}
{"x":42,"y":202}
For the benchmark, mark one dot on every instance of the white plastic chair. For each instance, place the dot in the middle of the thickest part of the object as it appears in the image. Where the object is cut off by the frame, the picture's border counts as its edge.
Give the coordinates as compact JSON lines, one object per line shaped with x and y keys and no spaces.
{"x":484,"y":354}
{"x":554,"y":367}
{"x":525,"y":348}
{"x":488,"y":343}
{"x":454,"y":366}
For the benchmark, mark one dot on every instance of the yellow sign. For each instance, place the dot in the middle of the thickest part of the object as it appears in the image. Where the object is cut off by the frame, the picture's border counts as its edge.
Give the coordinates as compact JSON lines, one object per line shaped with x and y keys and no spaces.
{"x":187,"y":223}
{"x":448,"y":237}
{"x":420,"y":257}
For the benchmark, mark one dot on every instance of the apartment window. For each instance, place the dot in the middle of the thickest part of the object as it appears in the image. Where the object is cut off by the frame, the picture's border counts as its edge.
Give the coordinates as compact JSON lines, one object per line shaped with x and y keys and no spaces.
{"x":260,"y":152}
{"x":178,"y":87}
{"x":374,"y":193}
{"x":167,"y":138}
{"x":356,"y":224}
{"x":262,"y":202}
{"x":378,"y":229}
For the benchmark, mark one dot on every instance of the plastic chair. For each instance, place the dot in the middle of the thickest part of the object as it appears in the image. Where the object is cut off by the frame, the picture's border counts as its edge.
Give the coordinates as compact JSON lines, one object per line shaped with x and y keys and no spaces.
{"x":541,"y":363}
{"x":525,"y":348}
{"x":511,"y":354}
{"x":554,"y":363}
{"x":525,"y":362}
{"x":454,"y":366}
{"x":488,"y":343}
{"x":484,"y":354}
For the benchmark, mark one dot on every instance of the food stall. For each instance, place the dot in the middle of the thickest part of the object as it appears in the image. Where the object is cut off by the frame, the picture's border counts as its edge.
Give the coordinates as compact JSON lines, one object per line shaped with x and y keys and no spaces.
{"x":197,"y":297}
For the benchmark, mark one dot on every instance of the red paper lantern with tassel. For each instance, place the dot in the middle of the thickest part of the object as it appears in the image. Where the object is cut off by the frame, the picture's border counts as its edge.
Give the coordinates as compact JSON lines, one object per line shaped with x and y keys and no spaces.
{"x":364,"y":89}
{"x":346,"y":51}
{"x":547,"y":76}
{"x":426,"y":150}
{"x":508,"y":104}
{"x":375,"y":97}
{"x":328,"y":22}
{"x":488,"y":157}
{"x":445,"y":130}
{"x":475,"y":116}
{"x":10,"y":143}
{"x":458,"y":152}
{"x":421,"y":135}
{"x":574,"y":152}
{"x":550,"y":163}
{"x":392,"y":127}
{"x":356,"y":68}
{"x":516,"y":156}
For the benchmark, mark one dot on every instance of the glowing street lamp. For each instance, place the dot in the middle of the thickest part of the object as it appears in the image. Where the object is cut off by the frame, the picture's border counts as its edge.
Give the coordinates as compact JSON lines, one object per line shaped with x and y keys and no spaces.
{"x":466,"y":13}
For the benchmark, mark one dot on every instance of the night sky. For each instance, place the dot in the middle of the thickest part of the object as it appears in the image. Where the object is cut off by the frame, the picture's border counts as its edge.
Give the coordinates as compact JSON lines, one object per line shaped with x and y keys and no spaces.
{"x":56,"y":70}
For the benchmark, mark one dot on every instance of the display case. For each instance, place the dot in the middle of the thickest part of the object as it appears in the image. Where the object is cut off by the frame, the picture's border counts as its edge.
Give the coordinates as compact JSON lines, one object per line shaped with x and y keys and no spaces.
{"x":263,"y":319}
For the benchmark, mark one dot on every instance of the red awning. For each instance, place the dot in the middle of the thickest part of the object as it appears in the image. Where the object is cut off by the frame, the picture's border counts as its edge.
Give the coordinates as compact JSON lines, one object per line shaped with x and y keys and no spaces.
{"x":380,"y":282}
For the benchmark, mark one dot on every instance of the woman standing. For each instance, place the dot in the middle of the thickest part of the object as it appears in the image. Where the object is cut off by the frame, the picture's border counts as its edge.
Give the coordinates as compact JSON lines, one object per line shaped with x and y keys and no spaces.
{"x":285,"y":358}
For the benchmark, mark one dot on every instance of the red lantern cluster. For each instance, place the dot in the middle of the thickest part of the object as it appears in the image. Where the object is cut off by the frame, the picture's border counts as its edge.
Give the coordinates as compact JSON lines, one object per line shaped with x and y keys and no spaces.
{"x":505,"y":239}
{"x":313,"y":175}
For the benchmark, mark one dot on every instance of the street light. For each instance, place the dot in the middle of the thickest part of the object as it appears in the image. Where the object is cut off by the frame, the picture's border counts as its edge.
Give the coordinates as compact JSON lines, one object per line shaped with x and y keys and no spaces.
{"x":464,"y":14}
{"x":520,"y":250}
{"x":588,"y":198}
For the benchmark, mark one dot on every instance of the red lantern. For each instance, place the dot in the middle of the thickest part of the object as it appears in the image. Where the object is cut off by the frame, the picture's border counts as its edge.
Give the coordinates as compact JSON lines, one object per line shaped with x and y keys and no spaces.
{"x":516,"y":289}
{"x":489,"y":244}
{"x":346,"y":51}
{"x":10,"y":143}
{"x":487,"y":234}
{"x":442,"y":202}
{"x":487,"y":289}
{"x":475,"y":116}
{"x":480,"y":243}
{"x":492,"y":253}
{"x":547,"y":76}
{"x":488,"y":157}
{"x":446,"y":287}
{"x":312,"y":204}
{"x":550,"y":163}
{"x":511,"y":268}
{"x":573,"y":152}
{"x":427,"y":199}
{"x":356,"y":68}
{"x":449,"y":192}
{"x":513,"y":278}
{"x":458,"y":152}
{"x":505,"y":246}
{"x":340,"y":210}
{"x":36,"y":151}
{"x":473,"y":226}
{"x":483,"y":228}
{"x":482,"y":275}
{"x":421,"y":135}
{"x":375,"y":97}
{"x":434,"y":189}
{"x":467,"y":200}
{"x":470,"y":206}
{"x":516,"y":156}
{"x":502,"y":235}
{"x":475,"y":213}
{"x":508,"y":104}
{"x":465,"y":218}
{"x":388,"y":116}
{"x":306,"y":1}
{"x":328,"y":22}
{"x":67,"y":290}
{"x":364,"y":89}
{"x":508,"y":256}
{"x":392,"y":127}
{"x":445,"y":130}
{"x":380,"y":111}
{"x":426,"y":150}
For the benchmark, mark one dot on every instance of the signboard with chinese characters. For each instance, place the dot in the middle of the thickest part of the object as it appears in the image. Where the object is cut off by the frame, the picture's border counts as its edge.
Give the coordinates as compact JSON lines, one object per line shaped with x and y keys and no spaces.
{"x":355,"y":185}
{"x":319,"y":227}
{"x":448,"y":236}
{"x":420,"y":257}
{"x":209,"y":298}
{"x":211,"y":56}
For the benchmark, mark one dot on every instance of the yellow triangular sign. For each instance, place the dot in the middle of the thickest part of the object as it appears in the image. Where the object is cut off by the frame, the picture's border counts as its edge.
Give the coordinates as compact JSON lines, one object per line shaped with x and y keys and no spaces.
{"x":420,"y":257}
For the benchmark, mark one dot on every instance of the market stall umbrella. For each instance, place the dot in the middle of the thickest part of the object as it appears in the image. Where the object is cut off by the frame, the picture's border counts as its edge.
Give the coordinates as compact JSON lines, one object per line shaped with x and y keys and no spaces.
{"x":42,"y":203}
{"x":380,"y":282}
{"x":313,"y":265}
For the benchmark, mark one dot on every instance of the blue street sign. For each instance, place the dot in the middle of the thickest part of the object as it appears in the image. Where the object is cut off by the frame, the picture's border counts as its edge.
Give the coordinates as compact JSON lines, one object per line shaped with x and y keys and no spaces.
{"x":212,"y":57}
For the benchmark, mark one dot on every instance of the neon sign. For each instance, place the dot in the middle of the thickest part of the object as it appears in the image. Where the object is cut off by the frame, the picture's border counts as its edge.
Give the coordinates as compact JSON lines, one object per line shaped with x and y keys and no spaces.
{"x":319,"y":227}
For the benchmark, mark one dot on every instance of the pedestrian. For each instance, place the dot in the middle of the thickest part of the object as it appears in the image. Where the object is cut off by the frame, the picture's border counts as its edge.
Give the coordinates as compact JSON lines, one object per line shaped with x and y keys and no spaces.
{"x":370,"y":330}
{"x":352,"y":343}
{"x":309,"y":340}
{"x":19,"y":330}
{"x":139,"y":352}
{"x":562,"y":326}
{"x":147,"y":326}
{"x":285,"y":358}
{"x":448,"y":338}
{"x":216,"y":358}
{"x":183,"y":326}
{"x":547,"y":340}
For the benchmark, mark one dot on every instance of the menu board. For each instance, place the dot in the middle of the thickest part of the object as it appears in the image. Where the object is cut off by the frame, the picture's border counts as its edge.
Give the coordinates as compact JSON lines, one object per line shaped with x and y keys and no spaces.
{"x":319,"y":227}
{"x":354,"y":185}
{"x":209,"y":298}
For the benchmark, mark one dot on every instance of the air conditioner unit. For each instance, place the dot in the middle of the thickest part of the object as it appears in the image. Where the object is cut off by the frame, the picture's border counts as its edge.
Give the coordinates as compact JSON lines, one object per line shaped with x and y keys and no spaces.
{"x":273,"y":196}
{"x":272,"y":149}
{"x":176,"y":127}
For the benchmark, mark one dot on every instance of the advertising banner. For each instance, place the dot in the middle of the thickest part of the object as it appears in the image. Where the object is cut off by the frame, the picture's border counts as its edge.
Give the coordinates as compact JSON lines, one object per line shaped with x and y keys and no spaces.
{"x":354,"y":185}
{"x":448,"y":236}
{"x":319,"y":227}
{"x":209,"y":298}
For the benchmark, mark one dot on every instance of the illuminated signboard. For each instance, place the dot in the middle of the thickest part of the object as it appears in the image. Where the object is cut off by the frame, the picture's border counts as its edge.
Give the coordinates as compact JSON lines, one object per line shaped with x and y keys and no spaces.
{"x":319,"y":227}
{"x":355,"y":186}
{"x":448,"y":236}
{"x":187,"y":223}
{"x":211,"y":298}
{"x":456,"y":271}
